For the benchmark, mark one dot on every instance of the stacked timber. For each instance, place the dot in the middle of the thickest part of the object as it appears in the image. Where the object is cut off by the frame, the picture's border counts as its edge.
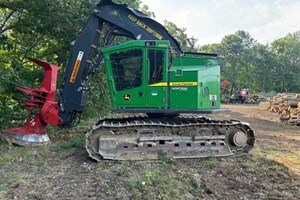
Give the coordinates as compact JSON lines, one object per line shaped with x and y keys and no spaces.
{"x":287,"y":105}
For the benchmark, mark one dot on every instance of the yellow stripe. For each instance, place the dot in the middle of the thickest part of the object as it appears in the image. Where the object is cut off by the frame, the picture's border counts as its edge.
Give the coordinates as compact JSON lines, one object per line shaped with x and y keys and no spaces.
{"x":160,"y":84}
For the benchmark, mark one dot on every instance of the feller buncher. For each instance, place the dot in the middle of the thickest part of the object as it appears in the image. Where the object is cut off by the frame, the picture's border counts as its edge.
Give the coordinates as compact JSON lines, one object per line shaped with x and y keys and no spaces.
{"x":160,"y":91}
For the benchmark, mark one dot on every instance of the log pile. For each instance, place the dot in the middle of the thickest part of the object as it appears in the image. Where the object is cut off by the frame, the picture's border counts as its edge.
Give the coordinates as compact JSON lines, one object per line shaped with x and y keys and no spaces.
{"x":255,"y":99}
{"x":287,"y":105}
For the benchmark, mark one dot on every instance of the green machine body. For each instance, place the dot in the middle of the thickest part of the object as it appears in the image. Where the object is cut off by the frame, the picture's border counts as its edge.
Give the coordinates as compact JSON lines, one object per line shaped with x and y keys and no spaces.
{"x":146,"y":77}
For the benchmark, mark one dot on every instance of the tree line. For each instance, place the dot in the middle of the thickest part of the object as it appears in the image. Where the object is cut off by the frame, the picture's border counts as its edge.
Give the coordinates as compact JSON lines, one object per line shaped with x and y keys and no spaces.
{"x":45,"y":29}
{"x":260,"y":67}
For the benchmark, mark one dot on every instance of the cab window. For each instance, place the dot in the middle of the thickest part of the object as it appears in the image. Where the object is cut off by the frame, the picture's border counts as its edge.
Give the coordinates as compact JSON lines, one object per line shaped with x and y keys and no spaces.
{"x":127,"y":69}
{"x":156,"y":60}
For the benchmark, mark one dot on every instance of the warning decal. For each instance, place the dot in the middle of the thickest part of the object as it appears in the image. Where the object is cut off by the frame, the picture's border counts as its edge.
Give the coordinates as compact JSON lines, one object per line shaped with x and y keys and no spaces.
{"x":76,"y":67}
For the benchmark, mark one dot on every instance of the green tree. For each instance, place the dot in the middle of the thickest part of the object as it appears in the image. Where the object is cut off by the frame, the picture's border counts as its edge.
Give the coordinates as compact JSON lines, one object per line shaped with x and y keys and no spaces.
{"x":210,"y":48}
{"x":287,"y":50}
{"x":264,"y":69}
{"x":186,"y":43}
{"x":236,"y":50}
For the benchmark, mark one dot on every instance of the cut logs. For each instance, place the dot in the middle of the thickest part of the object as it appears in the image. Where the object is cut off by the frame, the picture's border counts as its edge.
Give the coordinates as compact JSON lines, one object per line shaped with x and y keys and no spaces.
{"x":287,"y":105}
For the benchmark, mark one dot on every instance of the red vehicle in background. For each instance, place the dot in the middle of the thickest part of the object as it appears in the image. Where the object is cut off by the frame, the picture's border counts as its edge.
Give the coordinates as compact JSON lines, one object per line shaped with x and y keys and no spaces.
{"x":236,"y":95}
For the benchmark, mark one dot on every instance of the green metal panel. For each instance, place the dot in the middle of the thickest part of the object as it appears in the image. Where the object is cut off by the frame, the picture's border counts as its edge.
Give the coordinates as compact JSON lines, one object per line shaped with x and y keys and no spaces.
{"x":156,"y":97}
{"x":199,"y":76}
{"x":209,"y":90}
{"x":183,"y":89}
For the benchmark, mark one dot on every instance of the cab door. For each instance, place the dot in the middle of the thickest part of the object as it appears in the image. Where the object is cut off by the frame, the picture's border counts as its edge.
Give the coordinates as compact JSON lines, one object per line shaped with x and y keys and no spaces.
{"x":127,"y":78}
{"x":156,"y":89}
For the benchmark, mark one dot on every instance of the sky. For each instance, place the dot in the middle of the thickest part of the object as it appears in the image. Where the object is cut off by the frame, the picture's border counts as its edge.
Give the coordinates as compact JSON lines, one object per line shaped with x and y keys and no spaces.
{"x":210,"y":20}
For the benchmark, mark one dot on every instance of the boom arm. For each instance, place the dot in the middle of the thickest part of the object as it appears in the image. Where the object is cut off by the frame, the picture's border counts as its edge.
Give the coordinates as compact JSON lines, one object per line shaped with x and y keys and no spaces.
{"x":122,"y":21}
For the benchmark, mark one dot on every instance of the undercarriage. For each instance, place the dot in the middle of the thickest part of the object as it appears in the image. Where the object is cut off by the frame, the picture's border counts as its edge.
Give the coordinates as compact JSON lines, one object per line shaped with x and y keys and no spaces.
{"x":139,"y":137}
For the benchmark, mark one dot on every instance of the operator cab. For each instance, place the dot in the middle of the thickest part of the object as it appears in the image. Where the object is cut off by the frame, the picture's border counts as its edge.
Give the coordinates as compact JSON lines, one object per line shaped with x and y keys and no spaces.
{"x":132,"y":68}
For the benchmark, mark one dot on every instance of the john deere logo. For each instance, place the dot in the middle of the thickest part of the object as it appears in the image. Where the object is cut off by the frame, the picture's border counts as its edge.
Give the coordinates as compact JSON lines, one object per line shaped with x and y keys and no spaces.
{"x":115,"y":13}
{"x":126,"y":97}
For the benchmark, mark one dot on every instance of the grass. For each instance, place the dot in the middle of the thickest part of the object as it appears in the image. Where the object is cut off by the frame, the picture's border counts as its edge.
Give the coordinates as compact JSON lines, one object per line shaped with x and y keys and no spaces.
{"x":162,"y":180}
{"x":122,"y":170}
{"x":3,"y":188}
{"x":12,"y":176}
{"x":288,"y":156}
{"x":18,"y":154}
{"x":164,"y":158}
{"x":5,"y":145}
{"x":154,"y":184}
{"x":107,"y":189}
{"x":20,"y":164}
{"x":208,"y":163}
{"x":35,"y":159}
{"x":267,"y":169}
{"x":6,"y":158}
{"x":76,"y":141}
{"x":105,"y":165}
{"x":10,"y":180}
{"x":249,"y":165}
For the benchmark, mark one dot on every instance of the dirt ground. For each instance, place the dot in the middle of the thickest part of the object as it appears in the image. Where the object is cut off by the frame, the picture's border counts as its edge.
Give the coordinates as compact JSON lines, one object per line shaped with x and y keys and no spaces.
{"x":63,"y":170}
